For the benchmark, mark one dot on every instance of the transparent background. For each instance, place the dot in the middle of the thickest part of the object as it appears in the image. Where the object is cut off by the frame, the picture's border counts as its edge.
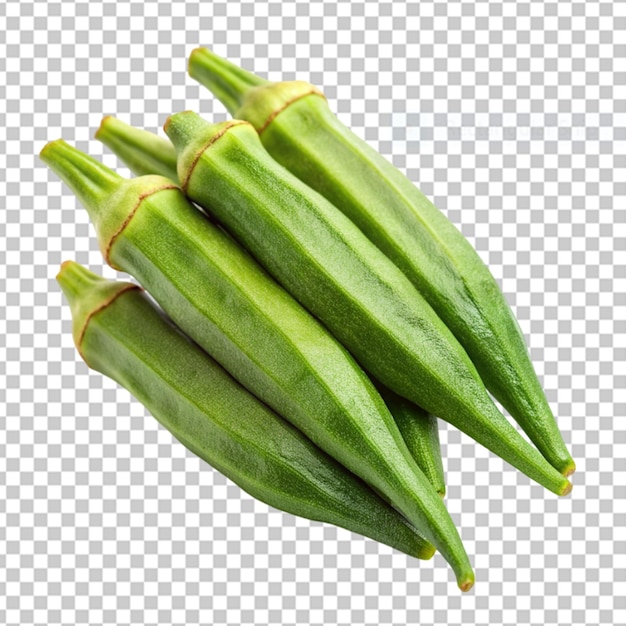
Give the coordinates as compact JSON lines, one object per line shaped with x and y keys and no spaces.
{"x":511,"y":117}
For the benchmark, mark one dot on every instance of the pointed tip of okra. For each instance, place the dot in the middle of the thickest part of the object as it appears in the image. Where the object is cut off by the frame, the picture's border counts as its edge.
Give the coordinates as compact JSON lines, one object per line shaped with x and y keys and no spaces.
{"x":567,"y":489}
{"x":426,"y":552}
{"x":467,"y":583}
{"x":569,"y":469}
{"x":561,"y":459}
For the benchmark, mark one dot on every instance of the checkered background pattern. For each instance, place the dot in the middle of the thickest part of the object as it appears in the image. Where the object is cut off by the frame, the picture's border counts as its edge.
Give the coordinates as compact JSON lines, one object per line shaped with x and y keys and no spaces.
{"x":511,"y":117}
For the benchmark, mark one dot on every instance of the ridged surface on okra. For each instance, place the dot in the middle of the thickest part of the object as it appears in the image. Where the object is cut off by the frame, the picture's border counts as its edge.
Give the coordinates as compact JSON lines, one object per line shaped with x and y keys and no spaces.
{"x":120,"y":333}
{"x":219,"y":296}
{"x":300,"y":131}
{"x":336,"y":272}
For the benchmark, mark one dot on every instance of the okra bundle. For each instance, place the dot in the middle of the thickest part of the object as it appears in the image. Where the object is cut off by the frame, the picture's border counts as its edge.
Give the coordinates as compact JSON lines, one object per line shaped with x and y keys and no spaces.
{"x":119,"y":332}
{"x":299,"y":130}
{"x":223,"y":300}
{"x":337,"y":299}
{"x":146,"y":153}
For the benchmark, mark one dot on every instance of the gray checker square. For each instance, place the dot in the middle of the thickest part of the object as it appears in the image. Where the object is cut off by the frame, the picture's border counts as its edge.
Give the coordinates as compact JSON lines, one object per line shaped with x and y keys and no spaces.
{"x":511,"y":117}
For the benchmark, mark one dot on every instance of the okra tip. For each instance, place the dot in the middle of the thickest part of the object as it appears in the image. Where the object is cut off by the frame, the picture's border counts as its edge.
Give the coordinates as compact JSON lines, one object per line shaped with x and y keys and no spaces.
{"x":467,"y":583}
{"x":567,"y":489}
{"x":426,"y":552}
{"x":569,"y":469}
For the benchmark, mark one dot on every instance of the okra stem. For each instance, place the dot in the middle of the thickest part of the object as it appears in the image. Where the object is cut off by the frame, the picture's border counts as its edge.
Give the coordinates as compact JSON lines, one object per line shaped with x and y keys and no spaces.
{"x":227,"y":81}
{"x":89,"y":179}
{"x":75,"y":281}
{"x":143,"y":152}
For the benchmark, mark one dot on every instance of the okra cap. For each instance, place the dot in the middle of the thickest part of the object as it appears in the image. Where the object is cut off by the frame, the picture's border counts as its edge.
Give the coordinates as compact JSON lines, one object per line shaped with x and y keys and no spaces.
{"x":87,"y":294}
{"x":192,"y":135}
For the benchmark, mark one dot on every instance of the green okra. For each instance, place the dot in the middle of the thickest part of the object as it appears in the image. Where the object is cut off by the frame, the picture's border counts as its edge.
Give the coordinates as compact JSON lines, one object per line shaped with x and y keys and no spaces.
{"x":219,"y":296}
{"x":143,"y":152}
{"x":341,"y":277}
{"x":420,"y":433}
{"x":300,"y":131}
{"x":119,"y":332}
{"x":146,"y":153}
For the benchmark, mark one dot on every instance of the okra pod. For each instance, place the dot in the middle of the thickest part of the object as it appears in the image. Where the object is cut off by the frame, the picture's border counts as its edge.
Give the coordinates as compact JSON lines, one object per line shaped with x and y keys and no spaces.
{"x":221,"y":298}
{"x":341,"y":277}
{"x":420,"y":433}
{"x":146,"y":153}
{"x":120,"y":333}
{"x":300,"y":131}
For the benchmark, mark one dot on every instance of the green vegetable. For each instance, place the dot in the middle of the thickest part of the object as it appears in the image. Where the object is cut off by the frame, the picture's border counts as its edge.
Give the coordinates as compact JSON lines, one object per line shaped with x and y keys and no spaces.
{"x":299,"y":130}
{"x":145,"y":153}
{"x":421,"y":435}
{"x":120,"y":333}
{"x":327,"y":263}
{"x":226,"y":303}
